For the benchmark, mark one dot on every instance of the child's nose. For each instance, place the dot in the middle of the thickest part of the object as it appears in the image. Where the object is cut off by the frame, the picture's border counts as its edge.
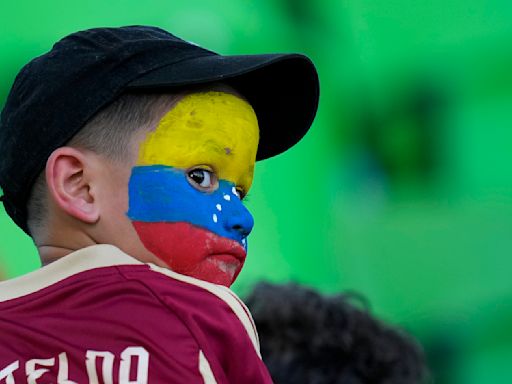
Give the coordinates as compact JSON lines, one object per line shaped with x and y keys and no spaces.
{"x":239,"y":222}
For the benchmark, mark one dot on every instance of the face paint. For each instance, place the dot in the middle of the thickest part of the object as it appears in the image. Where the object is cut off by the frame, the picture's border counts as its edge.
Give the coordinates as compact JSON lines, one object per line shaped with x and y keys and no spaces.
{"x":200,"y":232}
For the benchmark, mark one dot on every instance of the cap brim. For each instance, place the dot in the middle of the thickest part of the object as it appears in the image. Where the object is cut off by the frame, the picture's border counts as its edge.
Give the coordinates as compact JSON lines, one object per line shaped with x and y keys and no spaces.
{"x":282,"y":88}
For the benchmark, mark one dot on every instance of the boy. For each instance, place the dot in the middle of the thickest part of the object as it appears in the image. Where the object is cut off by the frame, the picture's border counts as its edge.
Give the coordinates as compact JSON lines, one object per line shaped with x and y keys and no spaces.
{"x":125,"y":155}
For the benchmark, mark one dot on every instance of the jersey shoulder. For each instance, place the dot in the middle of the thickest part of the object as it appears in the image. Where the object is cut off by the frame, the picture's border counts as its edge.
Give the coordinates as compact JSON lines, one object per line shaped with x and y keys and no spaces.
{"x":216,"y":317}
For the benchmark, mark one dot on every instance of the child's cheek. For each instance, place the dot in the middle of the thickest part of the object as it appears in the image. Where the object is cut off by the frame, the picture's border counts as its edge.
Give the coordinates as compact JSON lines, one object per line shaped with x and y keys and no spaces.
{"x":193,"y":251}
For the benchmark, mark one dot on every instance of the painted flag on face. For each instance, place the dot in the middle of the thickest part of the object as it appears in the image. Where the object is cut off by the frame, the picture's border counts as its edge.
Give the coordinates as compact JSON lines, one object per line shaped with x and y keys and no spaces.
{"x":160,"y":193}
{"x":197,"y":231}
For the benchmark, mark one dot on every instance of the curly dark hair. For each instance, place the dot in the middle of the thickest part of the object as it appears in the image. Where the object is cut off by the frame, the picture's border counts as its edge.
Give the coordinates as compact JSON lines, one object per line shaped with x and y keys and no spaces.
{"x":311,"y":338}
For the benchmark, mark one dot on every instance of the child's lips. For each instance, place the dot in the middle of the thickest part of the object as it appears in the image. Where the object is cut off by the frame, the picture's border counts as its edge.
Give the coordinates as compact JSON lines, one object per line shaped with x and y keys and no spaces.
{"x":236,"y":252}
{"x":221,"y":246}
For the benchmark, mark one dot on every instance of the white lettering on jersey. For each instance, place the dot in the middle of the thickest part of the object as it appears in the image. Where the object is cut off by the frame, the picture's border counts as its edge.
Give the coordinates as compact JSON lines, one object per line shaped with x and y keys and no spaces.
{"x":36,"y":368}
{"x":7,"y":372}
{"x":63,"y":376}
{"x":142,"y":365}
{"x":32,"y":373}
{"x":107,"y":366}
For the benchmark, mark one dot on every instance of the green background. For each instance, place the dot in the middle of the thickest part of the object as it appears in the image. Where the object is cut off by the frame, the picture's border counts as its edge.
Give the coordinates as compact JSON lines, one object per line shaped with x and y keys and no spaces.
{"x":402,"y":190}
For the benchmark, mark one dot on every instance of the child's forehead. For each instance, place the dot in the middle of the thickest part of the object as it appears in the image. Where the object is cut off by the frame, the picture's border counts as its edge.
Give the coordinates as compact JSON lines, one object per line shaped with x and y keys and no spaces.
{"x":203,"y":126}
{"x":211,"y":113}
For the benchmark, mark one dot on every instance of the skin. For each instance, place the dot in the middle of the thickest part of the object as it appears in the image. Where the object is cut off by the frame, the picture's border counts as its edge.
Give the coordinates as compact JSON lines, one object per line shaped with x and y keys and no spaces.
{"x":89,"y":194}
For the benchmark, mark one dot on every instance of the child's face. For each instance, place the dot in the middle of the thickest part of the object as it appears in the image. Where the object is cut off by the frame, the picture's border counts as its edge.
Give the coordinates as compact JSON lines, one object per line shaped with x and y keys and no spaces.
{"x":186,"y":188}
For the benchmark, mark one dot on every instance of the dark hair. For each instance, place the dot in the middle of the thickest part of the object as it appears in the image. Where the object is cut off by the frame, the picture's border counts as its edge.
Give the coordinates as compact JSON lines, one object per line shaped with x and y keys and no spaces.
{"x":310,"y":338}
{"x":108,"y":133}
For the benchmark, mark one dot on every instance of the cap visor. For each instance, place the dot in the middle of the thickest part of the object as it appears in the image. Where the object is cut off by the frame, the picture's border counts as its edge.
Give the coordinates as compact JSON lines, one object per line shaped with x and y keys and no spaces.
{"x":283,"y":89}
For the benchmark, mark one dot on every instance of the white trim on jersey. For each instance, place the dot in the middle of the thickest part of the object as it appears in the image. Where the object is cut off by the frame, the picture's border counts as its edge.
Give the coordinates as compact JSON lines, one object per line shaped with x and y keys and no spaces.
{"x":95,"y":256}
{"x":105,"y":255}
{"x":205,"y":369}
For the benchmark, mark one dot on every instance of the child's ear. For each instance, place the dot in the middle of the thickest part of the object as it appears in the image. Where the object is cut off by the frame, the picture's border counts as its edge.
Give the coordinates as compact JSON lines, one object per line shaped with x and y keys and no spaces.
{"x":70,"y":181}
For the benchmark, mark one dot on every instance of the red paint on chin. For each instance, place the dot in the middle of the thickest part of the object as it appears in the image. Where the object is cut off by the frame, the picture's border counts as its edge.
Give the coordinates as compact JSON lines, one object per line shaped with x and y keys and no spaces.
{"x":193,"y":251}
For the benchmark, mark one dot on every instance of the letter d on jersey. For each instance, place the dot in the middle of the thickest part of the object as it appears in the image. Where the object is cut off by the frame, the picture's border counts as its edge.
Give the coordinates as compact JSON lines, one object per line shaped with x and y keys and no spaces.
{"x":127,"y":357}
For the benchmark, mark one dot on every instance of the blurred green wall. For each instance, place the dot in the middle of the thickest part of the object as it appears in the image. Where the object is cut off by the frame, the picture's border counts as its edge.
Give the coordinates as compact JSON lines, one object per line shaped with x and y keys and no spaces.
{"x":403,"y":188}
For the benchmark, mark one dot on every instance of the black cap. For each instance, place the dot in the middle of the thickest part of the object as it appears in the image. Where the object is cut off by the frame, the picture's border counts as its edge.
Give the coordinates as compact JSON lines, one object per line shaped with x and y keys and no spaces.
{"x":57,"y":93}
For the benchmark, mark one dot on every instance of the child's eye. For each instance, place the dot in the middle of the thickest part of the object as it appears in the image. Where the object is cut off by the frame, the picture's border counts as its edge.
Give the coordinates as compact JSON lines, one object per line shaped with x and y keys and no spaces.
{"x":202,"y":179}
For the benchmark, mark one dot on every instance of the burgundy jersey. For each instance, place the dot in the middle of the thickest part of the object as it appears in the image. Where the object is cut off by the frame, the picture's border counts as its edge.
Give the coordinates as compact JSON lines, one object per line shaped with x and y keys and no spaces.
{"x":100,"y":316}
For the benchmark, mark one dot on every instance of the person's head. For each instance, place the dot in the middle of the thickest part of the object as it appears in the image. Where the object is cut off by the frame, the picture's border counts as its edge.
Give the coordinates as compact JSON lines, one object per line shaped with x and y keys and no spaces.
{"x":307,"y":337}
{"x":126,"y":136}
{"x":159,"y":175}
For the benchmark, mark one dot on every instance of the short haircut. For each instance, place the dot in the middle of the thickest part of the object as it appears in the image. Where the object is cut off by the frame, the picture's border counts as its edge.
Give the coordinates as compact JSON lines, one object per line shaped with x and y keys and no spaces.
{"x":307,"y":337}
{"x":108,"y":133}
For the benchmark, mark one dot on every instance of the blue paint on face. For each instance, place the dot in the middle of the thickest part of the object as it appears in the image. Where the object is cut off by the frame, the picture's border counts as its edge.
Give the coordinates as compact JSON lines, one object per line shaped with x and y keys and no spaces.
{"x":159,"y":193}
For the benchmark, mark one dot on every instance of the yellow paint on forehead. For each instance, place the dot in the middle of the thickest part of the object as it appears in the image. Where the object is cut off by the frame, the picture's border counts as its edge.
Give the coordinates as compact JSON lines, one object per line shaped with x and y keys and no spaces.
{"x":215,"y":129}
